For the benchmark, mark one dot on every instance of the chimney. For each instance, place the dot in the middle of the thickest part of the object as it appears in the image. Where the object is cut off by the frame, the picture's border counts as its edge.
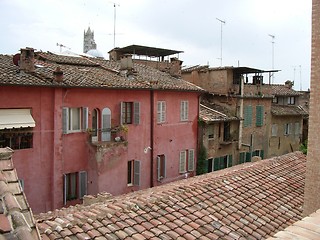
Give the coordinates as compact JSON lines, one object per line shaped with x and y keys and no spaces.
{"x":58,"y":74}
{"x":175,"y":67}
{"x":126,"y":62}
{"x":288,"y":84}
{"x":26,"y":62}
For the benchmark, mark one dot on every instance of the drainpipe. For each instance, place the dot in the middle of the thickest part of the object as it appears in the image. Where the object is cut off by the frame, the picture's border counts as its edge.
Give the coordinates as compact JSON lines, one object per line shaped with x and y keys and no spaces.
{"x":241,"y":112}
{"x":151,"y":134}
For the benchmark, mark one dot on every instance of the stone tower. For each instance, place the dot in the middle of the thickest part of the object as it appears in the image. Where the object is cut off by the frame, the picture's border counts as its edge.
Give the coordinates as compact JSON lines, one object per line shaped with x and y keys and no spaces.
{"x":312,"y":182}
{"x":88,"y":41}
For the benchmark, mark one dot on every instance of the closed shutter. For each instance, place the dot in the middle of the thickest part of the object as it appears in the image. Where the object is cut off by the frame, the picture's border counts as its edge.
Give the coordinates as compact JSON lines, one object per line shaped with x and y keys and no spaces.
{"x":182,"y":163}
{"x":136,"y":171}
{"x":65,"y":189}
{"x":82,"y":184}
{"x":259,"y":116}
{"x":242,"y":157}
{"x":136,"y":113}
{"x":216,"y":164}
{"x":65,"y":120}
{"x":190,"y":160}
{"x":248,"y":157}
{"x":247,"y":116}
{"x":106,"y":125}
{"x":230,"y":161}
{"x":85,"y":116}
{"x":222,"y":162}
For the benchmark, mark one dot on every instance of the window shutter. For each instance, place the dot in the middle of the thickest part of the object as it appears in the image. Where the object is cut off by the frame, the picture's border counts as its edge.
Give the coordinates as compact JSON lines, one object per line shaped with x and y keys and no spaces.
{"x":106,"y":125}
{"x":242,"y":157}
{"x":216,"y":164}
{"x":223,"y":162}
{"x":65,"y":189}
{"x":274,"y":130}
{"x":248,"y":157}
{"x":82,"y":184}
{"x":209,"y":164}
{"x":190,"y":160}
{"x":159,"y":168}
{"x":65,"y":120}
{"x":136,"y":113}
{"x":230,"y":161}
{"x":121,"y":113}
{"x":259,"y":116}
{"x":136,"y":171}
{"x":181,"y":110}
{"x":164,"y":166}
{"x":159,"y":117}
{"x":182,"y":163}
{"x":247,"y":116}
{"x":262,"y":154}
{"x":163,"y":112}
{"x":85,"y":116}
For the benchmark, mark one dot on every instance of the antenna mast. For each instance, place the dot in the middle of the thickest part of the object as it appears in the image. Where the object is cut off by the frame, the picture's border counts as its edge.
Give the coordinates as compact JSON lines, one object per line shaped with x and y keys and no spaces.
{"x":222,"y":22}
{"x":272,"y":41}
{"x":115,"y":5}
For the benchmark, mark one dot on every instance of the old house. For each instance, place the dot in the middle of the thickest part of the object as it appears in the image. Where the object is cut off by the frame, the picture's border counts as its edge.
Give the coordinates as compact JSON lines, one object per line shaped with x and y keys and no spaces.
{"x":81,"y":125}
{"x":270,"y":122}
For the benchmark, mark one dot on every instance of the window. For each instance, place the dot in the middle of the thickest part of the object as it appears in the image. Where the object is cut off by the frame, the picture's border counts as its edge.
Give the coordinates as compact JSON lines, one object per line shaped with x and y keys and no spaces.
{"x":20,"y":138}
{"x":71,"y":119}
{"x":184,"y":108}
{"x":297,"y":128}
{"x":219,"y":163}
{"x":161,"y":167}
{"x":275,"y":100}
{"x":161,"y":111}
{"x":133,"y":173}
{"x":130,"y":112}
{"x":259,"y":116}
{"x":210,"y":132}
{"x":274,"y":130}
{"x":226,"y":131}
{"x":247,"y":116}
{"x":287,"y":129}
{"x":75,"y":185}
{"x":16,"y":128}
{"x":259,"y":153}
{"x":244,"y":157}
{"x":186,"y":161}
{"x":291,"y":100}
{"x":21,"y":183}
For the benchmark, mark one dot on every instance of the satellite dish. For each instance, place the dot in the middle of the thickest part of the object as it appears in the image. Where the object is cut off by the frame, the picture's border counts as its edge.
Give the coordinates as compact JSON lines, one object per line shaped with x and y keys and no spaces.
{"x":16,"y":59}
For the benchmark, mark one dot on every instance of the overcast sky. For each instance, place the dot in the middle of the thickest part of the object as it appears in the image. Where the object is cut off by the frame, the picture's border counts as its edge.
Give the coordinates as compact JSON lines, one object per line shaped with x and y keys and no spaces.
{"x":187,"y":25}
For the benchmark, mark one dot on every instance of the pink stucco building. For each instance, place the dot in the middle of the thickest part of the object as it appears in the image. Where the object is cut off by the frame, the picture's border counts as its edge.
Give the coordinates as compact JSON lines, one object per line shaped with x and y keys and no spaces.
{"x":82,"y":125}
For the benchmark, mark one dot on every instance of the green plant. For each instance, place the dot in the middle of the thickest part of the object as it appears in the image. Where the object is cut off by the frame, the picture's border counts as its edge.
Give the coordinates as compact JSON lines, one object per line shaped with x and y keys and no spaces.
{"x":304,"y":147}
{"x":202,"y":160}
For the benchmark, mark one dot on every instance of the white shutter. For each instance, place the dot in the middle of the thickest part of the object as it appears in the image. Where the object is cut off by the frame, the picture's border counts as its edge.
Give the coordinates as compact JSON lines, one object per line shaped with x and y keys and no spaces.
{"x":121,"y":113}
{"x":136,"y":171}
{"x":65,"y":120}
{"x":164,"y":166}
{"x":163,"y":119}
{"x":82,"y":184}
{"x":191,"y":160}
{"x":136,"y":113}
{"x":182,"y":163}
{"x":85,"y":115}
{"x":159,"y":112}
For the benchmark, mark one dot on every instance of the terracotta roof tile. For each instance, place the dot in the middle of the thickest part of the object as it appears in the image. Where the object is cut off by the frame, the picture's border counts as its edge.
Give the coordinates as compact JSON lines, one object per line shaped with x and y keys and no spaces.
{"x":207,"y":206}
{"x":287,"y":110}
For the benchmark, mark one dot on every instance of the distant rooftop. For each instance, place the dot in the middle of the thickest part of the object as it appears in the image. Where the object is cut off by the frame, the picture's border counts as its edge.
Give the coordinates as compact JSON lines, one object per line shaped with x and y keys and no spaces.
{"x":147,"y":51}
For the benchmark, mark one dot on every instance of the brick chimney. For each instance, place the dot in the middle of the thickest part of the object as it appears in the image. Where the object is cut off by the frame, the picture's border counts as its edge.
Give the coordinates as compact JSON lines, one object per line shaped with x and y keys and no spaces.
{"x":312,"y":181}
{"x":26,"y":62}
{"x":126,"y":62}
{"x":175,"y":67}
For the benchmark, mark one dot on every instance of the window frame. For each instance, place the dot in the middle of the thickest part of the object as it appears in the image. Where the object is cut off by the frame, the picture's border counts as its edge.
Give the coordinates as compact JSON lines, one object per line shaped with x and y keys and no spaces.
{"x":68,"y":115}
{"x":187,"y":161}
{"x":17,"y":138}
{"x":210,"y":131}
{"x":133,"y":173}
{"x":74,"y":186}
{"x":184,"y":110}
{"x":291,"y":100}
{"x":161,"y":111}
{"x":287,"y":129}
{"x":161,"y":167}
{"x":274,"y":130}
{"x":130,"y":113}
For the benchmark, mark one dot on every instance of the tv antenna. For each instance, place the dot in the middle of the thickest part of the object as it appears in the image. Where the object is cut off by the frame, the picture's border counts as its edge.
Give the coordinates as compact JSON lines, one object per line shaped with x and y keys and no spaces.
{"x":115,"y":5}
{"x":62,"y":46}
{"x":222,"y":22}
{"x":272,"y":41}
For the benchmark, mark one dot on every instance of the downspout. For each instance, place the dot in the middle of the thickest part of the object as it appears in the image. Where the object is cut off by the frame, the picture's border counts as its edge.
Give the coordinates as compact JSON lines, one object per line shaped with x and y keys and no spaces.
{"x":241,"y":112}
{"x":151,"y":135}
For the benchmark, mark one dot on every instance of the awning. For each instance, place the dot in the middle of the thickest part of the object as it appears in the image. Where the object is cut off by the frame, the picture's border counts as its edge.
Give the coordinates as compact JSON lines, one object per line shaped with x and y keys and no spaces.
{"x":16,"y":118}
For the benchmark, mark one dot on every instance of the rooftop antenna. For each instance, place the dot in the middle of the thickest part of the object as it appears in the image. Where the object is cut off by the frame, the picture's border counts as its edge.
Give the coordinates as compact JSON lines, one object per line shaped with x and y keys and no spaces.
{"x":222,"y":22}
{"x":115,"y":5}
{"x":272,"y":41}
{"x":300,"y":78}
{"x":62,"y":46}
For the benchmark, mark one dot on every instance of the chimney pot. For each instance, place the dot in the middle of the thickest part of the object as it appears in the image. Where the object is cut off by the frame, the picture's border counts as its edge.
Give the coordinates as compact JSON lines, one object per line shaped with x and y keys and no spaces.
{"x":26,"y":62}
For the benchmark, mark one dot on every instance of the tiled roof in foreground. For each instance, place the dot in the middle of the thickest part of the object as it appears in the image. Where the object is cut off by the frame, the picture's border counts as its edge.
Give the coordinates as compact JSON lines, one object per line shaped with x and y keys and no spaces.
{"x":248,"y":201}
{"x":16,"y":219}
{"x":287,"y":110}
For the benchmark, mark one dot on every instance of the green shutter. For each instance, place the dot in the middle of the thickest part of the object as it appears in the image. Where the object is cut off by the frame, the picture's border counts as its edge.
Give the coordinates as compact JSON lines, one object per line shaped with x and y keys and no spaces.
{"x":230,"y":161}
{"x":242,"y":157}
{"x":247,"y":116}
{"x":223,"y":162}
{"x":248,"y":157}
{"x":259,"y":116}
{"x":262,"y":154}
{"x":216,"y":164}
